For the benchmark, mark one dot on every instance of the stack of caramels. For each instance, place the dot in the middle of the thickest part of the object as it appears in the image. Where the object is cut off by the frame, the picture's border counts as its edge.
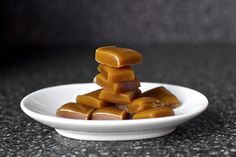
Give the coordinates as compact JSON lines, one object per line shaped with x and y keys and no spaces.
{"x":116,"y":77}
{"x":120,"y":97}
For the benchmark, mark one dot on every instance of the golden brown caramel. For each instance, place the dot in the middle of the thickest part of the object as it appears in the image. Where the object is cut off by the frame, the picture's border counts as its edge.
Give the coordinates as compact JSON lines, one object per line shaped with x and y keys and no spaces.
{"x":164,"y":95}
{"x":143,"y":103}
{"x":116,"y":74}
{"x":121,"y":98}
{"x":117,"y":57}
{"x":91,"y":99}
{"x":154,"y":113}
{"x":118,"y":87}
{"x":110,"y":113}
{"x":75,"y":111}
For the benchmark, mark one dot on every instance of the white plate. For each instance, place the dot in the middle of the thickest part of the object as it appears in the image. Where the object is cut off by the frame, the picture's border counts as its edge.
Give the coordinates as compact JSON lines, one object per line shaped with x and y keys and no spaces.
{"x":42,"y":104}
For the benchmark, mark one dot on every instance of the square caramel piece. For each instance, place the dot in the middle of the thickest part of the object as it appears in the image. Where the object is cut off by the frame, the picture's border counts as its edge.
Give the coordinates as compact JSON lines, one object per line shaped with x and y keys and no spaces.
{"x":91,"y":99}
{"x":117,"y":87}
{"x":75,"y":111}
{"x":164,"y":96}
{"x":120,"y":98}
{"x":143,"y":103}
{"x":154,"y":113}
{"x":117,"y":56}
{"x":116,"y":74}
{"x":110,"y":113}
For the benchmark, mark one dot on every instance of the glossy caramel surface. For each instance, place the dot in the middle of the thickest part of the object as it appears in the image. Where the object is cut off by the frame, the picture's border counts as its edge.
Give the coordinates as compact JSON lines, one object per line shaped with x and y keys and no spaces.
{"x":154,"y":113}
{"x":116,"y":74}
{"x":121,"y":98}
{"x":91,"y":99}
{"x":143,"y":103}
{"x":75,"y":111}
{"x":117,"y":57}
{"x":110,"y":113}
{"x":164,"y":95}
{"x":117,"y":87}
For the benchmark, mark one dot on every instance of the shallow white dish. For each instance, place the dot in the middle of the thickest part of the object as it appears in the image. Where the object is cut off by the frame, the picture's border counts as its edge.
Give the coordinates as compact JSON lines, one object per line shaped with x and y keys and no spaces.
{"x":42,"y":104}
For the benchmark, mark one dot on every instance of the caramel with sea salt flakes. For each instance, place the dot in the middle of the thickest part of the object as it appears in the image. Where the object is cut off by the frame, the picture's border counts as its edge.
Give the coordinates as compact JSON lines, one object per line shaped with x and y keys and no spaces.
{"x":143,"y":103}
{"x":164,"y":96}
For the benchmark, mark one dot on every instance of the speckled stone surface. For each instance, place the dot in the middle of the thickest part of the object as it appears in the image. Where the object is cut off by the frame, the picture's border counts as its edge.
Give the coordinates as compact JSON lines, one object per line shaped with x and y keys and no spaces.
{"x":209,"y":69}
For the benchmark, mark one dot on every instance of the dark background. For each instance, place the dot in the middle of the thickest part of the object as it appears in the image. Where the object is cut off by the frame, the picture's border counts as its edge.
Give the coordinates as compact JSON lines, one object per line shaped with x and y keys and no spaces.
{"x":76,"y":23}
{"x":52,"y":42}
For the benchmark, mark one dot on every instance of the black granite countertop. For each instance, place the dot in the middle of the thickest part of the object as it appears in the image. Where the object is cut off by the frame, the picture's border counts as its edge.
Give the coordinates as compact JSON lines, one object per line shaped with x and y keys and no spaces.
{"x":208,"y":69}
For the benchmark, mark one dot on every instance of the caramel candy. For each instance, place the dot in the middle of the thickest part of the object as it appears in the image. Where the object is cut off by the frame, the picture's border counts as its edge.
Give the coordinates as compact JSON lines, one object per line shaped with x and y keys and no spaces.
{"x":75,"y":111}
{"x":91,"y":99}
{"x":118,"y":87}
{"x":110,"y":113}
{"x":164,"y":95}
{"x":154,"y":113}
{"x":143,"y":103}
{"x":116,"y":74}
{"x":117,"y":57}
{"x":121,"y":98}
